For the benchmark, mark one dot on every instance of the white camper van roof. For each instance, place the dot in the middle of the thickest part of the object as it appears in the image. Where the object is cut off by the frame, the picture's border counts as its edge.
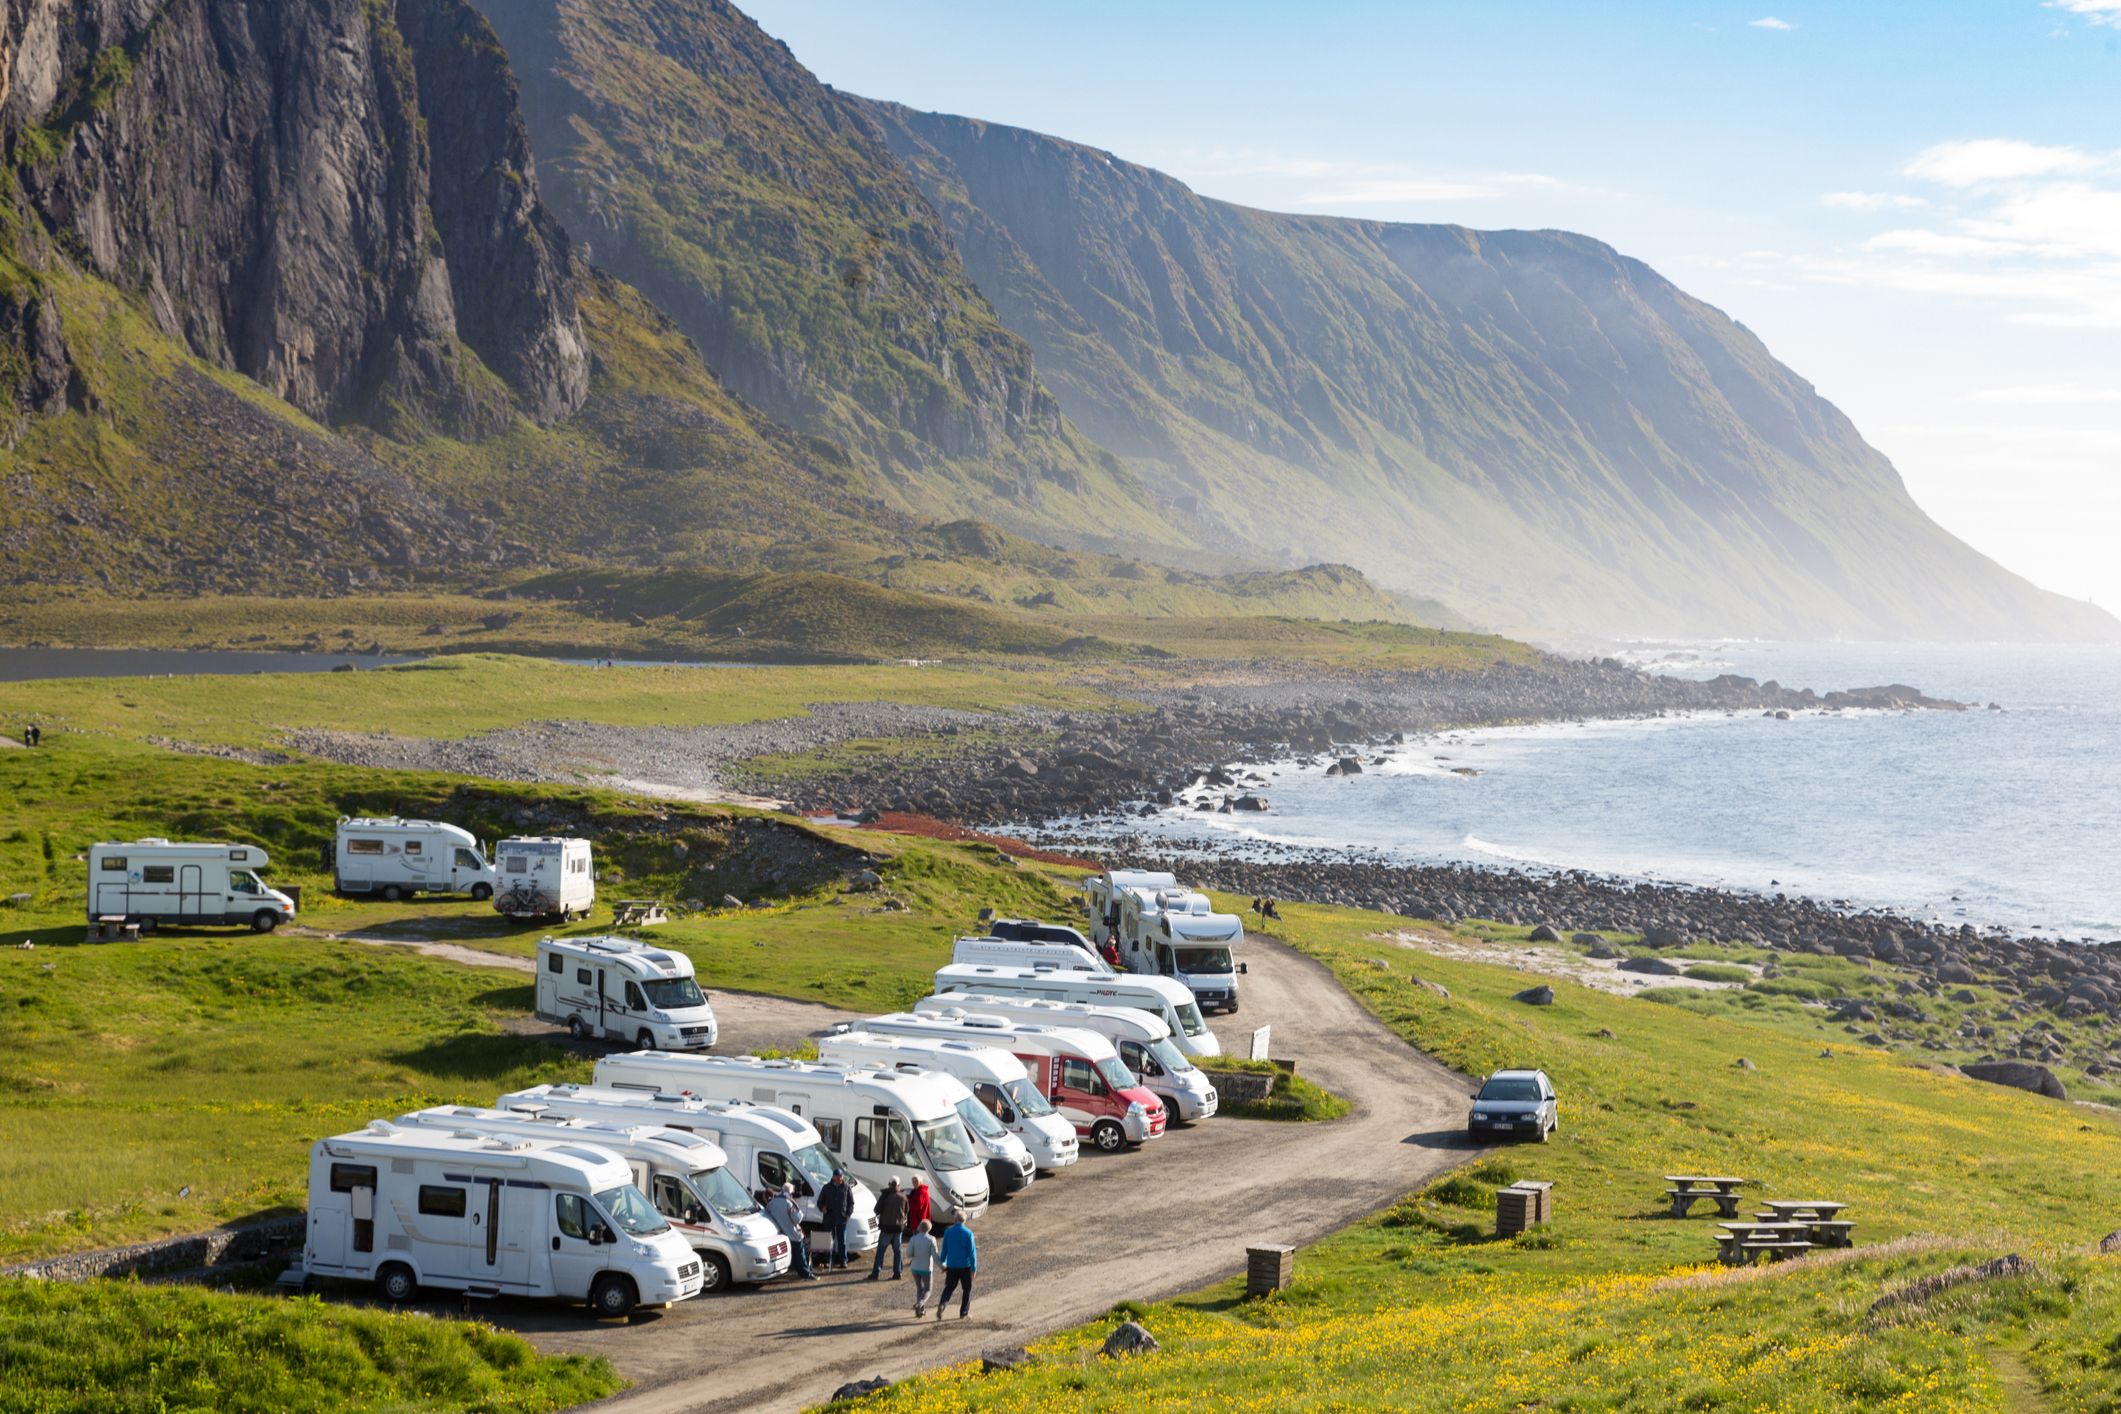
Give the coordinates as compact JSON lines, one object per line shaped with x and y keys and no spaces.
{"x":692,"y":1149}
{"x":1150,"y":879}
{"x":592,"y":1168}
{"x":970,"y":975}
{"x":646,"y":959}
{"x":248,"y":855}
{"x":738,"y":1114}
{"x":923,"y":1093}
{"x":540,"y":844}
{"x":969,"y":1004}
{"x":923,"y":1050}
{"x":1007,"y":1033}
{"x":379,"y":823}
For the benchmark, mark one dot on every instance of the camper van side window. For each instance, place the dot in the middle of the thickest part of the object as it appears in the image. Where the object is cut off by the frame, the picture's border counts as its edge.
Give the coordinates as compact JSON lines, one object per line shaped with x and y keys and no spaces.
{"x":114,"y":864}
{"x":831,"y":1131}
{"x":364,"y":846}
{"x":869,"y":1140}
{"x":572,"y":1215}
{"x":518,"y":864}
{"x":414,"y":847}
{"x":345,"y":1178}
{"x":633,"y":998}
{"x":437,"y":1201}
{"x":774,"y":1170}
{"x":581,"y":976}
{"x":158,"y":874}
{"x":555,"y":963}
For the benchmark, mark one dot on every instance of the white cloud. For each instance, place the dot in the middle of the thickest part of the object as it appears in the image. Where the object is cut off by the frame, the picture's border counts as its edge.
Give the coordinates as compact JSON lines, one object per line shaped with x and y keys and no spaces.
{"x":1872,"y":201}
{"x":2098,"y":12}
{"x":1770,"y":22}
{"x":1917,"y":241}
{"x":1995,"y":159}
{"x":2049,"y":395}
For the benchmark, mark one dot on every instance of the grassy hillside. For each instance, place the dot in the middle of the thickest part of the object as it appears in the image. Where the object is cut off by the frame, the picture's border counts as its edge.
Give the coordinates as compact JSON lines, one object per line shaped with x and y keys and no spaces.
{"x":1615,"y":1305}
{"x":1528,"y":425}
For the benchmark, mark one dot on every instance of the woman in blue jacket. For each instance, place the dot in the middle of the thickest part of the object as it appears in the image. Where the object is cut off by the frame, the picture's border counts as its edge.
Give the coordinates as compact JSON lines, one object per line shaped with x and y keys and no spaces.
{"x":960,"y":1261}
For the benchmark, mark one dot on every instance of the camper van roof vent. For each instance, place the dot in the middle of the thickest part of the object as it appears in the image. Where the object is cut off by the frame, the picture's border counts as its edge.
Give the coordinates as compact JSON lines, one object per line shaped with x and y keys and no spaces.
{"x":675,"y":1138}
{"x":990,"y":1023}
{"x":381,"y":1126}
{"x":587,"y":1156}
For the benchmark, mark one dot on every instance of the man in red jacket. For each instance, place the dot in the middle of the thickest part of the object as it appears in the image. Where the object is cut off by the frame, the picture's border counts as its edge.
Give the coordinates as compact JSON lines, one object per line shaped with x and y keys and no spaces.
{"x":917,"y":1205}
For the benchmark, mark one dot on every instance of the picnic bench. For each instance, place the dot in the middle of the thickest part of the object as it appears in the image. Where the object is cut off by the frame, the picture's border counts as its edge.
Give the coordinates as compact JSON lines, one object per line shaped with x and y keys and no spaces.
{"x":1796,"y":1209}
{"x":1690,"y":1188}
{"x":113,"y":925}
{"x":1742,"y":1242}
{"x":638,"y":913}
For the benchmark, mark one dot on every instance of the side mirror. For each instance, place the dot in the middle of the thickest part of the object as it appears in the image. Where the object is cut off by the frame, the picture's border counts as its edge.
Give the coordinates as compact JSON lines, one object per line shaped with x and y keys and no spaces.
{"x":1243,"y":969}
{"x":596,"y":1237}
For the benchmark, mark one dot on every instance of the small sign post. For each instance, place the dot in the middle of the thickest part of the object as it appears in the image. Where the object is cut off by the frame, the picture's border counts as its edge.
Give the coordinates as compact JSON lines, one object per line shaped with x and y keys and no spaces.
{"x":1260,"y":1043}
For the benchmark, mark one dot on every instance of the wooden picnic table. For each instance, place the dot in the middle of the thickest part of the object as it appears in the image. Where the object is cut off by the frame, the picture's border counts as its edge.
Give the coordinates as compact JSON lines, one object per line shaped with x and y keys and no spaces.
{"x":1745,"y":1241}
{"x":1789,"y":1209}
{"x":1689,"y":1188}
{"x":1697,"y":1180}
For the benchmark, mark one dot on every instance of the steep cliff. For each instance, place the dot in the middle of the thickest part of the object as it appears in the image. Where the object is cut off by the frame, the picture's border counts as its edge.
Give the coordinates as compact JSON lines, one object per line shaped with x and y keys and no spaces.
{"x":332,"y":197}
{"x":1527,"y":425}
{"x":702,"y":164}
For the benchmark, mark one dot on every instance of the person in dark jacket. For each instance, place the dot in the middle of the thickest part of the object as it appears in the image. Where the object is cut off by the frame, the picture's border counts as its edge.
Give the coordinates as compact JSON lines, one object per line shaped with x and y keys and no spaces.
{"x":782,"y":1211}
{"x":836,"y":1206}
{"x":960,"y":1261}
{"x":891,"y":1230}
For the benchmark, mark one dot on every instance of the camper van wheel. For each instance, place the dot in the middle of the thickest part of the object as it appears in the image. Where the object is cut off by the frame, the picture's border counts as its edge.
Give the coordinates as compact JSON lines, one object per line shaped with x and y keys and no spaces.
{"x":577,"y":1028}
{"x":264,"y":921}
{"x":1108,"y":1136}
{"x":397,"y":1284}
{"x":645,"y":1039}
{"x":612,"y":1297}
{"x":481,"y":892}
{"x":147,"y":925}
{"x":714,"y":1272}
{"x":392,"y":893}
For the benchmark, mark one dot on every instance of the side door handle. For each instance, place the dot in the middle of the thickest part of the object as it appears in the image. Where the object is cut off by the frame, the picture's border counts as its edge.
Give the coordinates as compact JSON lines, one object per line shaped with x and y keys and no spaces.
{"x":556,"y":1244}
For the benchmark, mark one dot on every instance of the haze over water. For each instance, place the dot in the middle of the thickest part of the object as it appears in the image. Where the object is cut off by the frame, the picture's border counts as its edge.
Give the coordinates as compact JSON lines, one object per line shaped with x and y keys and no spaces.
{"x":2009,"y":817}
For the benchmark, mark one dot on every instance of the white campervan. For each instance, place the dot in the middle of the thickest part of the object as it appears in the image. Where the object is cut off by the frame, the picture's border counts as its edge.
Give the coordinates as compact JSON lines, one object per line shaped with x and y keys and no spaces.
{"x":1167,"y":930}
{"x":1143,"y":1041}
{"x":621,"y":990}
{"x":997,"y":1079}
{"x":407,"y":1208}
{"x":1159,"y":996}
{"x":543,"y":877}
{"x":767,"y":1146}
{"x":881,"y":1124}
{"x":1020,"y":952}
{"x":1010,"y":1164}
{"x":150,"y":882}
{"x":399,"y":858}
{"x":686,"y":1177}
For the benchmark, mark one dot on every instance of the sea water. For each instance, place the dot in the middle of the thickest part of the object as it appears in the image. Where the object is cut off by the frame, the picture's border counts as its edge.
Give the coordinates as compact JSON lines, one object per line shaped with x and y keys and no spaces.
{"x":2008,"y":817}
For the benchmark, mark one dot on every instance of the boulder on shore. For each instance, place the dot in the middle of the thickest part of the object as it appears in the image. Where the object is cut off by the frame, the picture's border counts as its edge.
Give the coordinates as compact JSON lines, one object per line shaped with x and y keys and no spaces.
{"x":1651,"y":966}
{"x":1546,"y":933}
{"x":2018,"y":1074}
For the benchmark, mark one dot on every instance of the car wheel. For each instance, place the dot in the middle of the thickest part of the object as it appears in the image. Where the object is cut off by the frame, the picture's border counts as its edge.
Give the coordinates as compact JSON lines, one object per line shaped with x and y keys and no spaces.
{"x":392,"y":893}
{"x":1107,"y":1135}
{"x":645,"y":1039}
{"x":481,"y":892}
{"x":397,"y":1284}
{"x":578,"y":1028}
{"x":613,"y":1297}
{"x":264,"y":921}
{"x":714,"y":1273}
{"x":1546,"y":1132}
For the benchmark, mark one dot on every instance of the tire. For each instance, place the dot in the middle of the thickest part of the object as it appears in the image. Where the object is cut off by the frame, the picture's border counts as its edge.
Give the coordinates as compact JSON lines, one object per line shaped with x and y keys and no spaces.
{"x":714,"y":1273}
{"x":644,"y":1039}
{"x":1546,"y":1132}
{"x":392,"y":893}
{"x":481,"y":892}
{"x":1107,"y":1135}
{"x":147,"y":925}
{"x":578,"y":1028}
{"x":397,"y":1283}
{"x":613,"y":1298}
{"x":264,"y":921}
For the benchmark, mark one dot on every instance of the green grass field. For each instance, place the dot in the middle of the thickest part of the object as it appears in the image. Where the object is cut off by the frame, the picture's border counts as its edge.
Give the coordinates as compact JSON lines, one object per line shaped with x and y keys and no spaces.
{"x":1615,"y":1305}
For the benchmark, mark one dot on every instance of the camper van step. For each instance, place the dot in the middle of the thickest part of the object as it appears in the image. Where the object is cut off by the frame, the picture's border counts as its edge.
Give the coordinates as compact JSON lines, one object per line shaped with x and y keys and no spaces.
{"x":294,"y":1278}
{"x":483,"y":1293}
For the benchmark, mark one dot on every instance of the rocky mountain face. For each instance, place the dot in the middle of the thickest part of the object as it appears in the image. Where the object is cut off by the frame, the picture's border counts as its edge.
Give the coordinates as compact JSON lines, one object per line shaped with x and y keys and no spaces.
{"x":1528,"y":425}
{"x":704,"y":165}
{"x":332,"y":197}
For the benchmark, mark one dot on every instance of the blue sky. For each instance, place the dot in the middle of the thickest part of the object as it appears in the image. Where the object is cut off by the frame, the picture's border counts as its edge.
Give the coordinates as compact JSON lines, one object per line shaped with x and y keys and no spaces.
{"x":1917,"y":205}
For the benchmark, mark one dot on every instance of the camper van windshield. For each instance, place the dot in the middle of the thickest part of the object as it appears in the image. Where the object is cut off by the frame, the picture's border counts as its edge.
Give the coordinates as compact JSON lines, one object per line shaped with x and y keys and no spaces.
{"x":723,"y":1193}
{"x":1117,"y":1075}
{"x":949,"y":1147}
{"x":1204,"y":961}
{"x":1024,"y":1095}
{"x":1168,"y":1056}
{"x":631,"y":1211}
{"x":817,"y":1165}
{"x":1189,"y":1019}
{"x":979,"y":1119}
{"x":673,"y":993}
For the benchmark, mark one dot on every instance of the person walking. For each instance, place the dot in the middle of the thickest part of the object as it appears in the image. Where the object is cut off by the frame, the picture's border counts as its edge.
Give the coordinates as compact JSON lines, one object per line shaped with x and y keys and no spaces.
{"x":891,"y":1231}
{"x":782,"y":1211}
{"x":836,"y":1206}
{"x":921,"y":1250}
{"x":918,"y":1203}
{"x":960,"y":1261}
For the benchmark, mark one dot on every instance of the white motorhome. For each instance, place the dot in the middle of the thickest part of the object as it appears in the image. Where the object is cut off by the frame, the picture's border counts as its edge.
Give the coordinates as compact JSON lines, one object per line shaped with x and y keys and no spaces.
{"x":686,"y":1177}
{"x":544,"y":877}
{"x":1011,"y":1163}
{"x":1144,"y":1041}
{"x":1159,"y":996}
{"x":995,"y":1077}
{"x":621,"y":990}
{"x":400,"y":858}
{"x":150,"y":882}
{"x":767,"y":1146}
{"x":407,"y":1208}
{"x":1026,"y":952}
{"x":1167,"y":930}
{"x":881,"y":1124}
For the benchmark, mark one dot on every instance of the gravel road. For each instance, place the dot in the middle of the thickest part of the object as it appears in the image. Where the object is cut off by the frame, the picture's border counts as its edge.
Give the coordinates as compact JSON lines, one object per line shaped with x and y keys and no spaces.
{"x":1144,"y":1225}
